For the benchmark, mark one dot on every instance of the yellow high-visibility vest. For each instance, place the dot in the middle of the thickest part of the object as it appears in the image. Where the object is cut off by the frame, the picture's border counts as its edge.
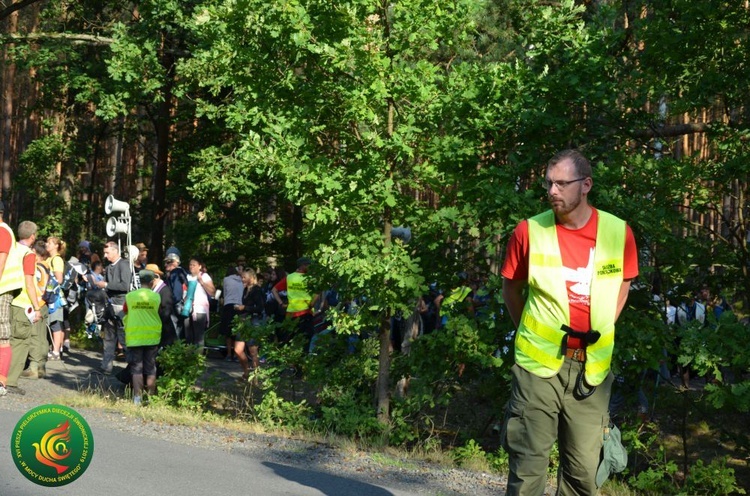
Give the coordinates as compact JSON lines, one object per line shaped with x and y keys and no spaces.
{"x":539,"y":337}
{"x":297,"y":293}
{"x":142,"y":321}
{"x":458,"y":295}
{"x":23,"y":299}
{"x":12,"y":277}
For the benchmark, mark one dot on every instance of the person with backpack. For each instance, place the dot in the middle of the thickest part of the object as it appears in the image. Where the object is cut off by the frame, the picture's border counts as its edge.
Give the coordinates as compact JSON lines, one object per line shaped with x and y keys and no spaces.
{"x":197,"y":323}
{"x":177,"y":280}
{"x":58,"y":323}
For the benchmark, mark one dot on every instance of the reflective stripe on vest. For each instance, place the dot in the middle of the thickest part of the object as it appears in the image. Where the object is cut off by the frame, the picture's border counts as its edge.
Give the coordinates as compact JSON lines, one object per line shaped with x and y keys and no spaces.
{"x":539,"y":338}
{"x":142,"y":322}
{"x":296,"y":292}
{"x":12,"y":277}
{"x":458,"y":295}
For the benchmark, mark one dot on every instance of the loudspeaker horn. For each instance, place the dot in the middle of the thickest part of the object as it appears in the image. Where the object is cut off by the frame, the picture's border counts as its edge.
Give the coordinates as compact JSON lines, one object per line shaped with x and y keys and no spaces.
{"x":113,"y":205}
{"x":116,"y":226}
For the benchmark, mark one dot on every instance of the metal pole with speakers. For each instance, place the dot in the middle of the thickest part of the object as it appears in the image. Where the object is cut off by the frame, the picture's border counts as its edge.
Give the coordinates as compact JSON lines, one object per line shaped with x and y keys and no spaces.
{"x":121,"y":225}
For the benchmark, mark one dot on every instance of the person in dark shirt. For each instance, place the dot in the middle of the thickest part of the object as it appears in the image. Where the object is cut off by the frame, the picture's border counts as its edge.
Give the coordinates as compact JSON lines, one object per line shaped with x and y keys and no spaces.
{"x":176,"y":280}
{"x":253,"y":302}
{"x":117,"y":279}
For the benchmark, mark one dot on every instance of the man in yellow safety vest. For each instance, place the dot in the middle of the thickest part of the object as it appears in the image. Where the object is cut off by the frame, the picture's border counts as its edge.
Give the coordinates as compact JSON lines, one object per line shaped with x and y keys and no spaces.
{"x":11,"y":282}
{"x":300,"y":302}
{"x":143,"y":327}
{"x":577,"y":263}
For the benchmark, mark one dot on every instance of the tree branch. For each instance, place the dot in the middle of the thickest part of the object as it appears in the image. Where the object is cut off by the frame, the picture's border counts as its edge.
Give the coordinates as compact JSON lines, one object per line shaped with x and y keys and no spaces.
{"x":7,"y":11}
{"x":671,"y":131}
{"x":74,"y":38}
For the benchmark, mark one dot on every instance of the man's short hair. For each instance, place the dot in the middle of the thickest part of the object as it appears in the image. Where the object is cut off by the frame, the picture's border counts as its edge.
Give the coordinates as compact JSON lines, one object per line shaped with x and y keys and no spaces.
{"x":112,"y":245}
{"x":581,"y":163}
{"x":40,"y":247}
{"x":26,"y":229}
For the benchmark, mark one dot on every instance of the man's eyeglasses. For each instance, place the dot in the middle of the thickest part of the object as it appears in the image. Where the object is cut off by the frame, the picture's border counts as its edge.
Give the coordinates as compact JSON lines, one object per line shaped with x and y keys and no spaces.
{"x":561,"y":185}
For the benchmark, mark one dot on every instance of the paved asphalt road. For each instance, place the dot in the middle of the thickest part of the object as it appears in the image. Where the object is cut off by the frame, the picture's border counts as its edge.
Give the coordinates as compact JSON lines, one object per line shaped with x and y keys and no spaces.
{"x":127,"y":464}
{"x":124,"y":464}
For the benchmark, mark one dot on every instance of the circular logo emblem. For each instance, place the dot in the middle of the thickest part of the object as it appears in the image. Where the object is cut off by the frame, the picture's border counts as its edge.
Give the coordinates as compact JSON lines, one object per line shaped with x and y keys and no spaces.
{"x":52,"y":445}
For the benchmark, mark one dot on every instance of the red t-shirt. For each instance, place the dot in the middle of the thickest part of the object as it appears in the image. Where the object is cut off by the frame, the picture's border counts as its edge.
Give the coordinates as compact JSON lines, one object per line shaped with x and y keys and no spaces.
{"x":281,"y":285}
{"x":6,"y":241}
{"x":29,"y":264}
{"x":577,"y":250}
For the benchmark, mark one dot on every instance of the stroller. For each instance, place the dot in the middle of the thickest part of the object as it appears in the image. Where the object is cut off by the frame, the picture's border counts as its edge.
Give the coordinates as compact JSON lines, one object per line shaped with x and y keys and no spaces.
{"x":97,"y":304}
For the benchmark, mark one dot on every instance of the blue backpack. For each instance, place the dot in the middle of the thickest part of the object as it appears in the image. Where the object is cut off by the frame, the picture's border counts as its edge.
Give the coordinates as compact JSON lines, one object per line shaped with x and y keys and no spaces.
{"x":52,"y":294}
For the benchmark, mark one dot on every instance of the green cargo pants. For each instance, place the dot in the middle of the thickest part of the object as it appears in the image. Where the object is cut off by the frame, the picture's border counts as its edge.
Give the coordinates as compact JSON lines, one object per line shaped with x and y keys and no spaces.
{"x":28,"y":341}
{"x":541,"y":411}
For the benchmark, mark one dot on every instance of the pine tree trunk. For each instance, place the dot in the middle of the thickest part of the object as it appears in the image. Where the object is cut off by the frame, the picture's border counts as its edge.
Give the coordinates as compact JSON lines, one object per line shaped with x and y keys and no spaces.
{"x":9,"y":76}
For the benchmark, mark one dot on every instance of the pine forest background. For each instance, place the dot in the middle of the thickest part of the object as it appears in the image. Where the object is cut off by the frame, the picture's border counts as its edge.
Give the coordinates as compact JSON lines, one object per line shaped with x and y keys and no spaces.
{"x":276,"y":129}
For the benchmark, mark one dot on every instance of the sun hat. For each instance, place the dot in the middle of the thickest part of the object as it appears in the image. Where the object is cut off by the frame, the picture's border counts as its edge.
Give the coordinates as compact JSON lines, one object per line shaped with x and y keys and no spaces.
{"x":155,"y":269}
{"x":614,"y":455}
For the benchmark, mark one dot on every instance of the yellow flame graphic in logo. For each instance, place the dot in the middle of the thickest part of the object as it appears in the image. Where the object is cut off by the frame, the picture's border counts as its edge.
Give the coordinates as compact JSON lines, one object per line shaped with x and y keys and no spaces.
{"x":52,"y":448}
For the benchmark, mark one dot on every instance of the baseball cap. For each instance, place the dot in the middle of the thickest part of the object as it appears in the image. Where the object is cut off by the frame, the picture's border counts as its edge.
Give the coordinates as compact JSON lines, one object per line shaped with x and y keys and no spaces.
{"x":172,"y":257}
{"x":146,"y":276}
{"x":175,"y":250}
{"x":141,"y":247}
{"x":85,"y":244}
{"x":304,"y":261}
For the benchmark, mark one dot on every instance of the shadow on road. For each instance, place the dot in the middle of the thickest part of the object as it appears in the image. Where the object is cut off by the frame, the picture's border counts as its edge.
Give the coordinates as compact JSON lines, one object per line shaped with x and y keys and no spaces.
{"x":331,"y":485}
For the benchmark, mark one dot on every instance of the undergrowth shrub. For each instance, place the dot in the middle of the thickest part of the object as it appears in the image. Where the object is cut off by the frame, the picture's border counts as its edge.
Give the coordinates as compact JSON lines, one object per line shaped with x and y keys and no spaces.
{"x":662,"y":475}
{"x":349,"y":416}
{"x":275,"y":412}
{"x":182,"y":365}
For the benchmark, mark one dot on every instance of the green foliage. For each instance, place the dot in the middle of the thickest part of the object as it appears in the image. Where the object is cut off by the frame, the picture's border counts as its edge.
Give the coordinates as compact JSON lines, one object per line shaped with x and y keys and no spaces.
{"x":715,"y":350}
{"x":663,"y":476}
{"x":660,"y":476}
{"x":435,"y":367}
{"x":714,"y":478}
{"x":274,"y":412}
{"x":468,"y":454}
{"x":37,"y":176}
{"x":349,"y":415}
{"x":498,"y":460}
{"x":435,"y":358}
{"x":405,"y":429}
{"x":182,"y":366}
{"x":312,"y":126}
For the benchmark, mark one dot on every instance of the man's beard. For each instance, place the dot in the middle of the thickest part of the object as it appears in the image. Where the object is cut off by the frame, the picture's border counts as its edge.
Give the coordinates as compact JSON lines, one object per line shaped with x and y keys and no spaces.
{"x":562,"y":207}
